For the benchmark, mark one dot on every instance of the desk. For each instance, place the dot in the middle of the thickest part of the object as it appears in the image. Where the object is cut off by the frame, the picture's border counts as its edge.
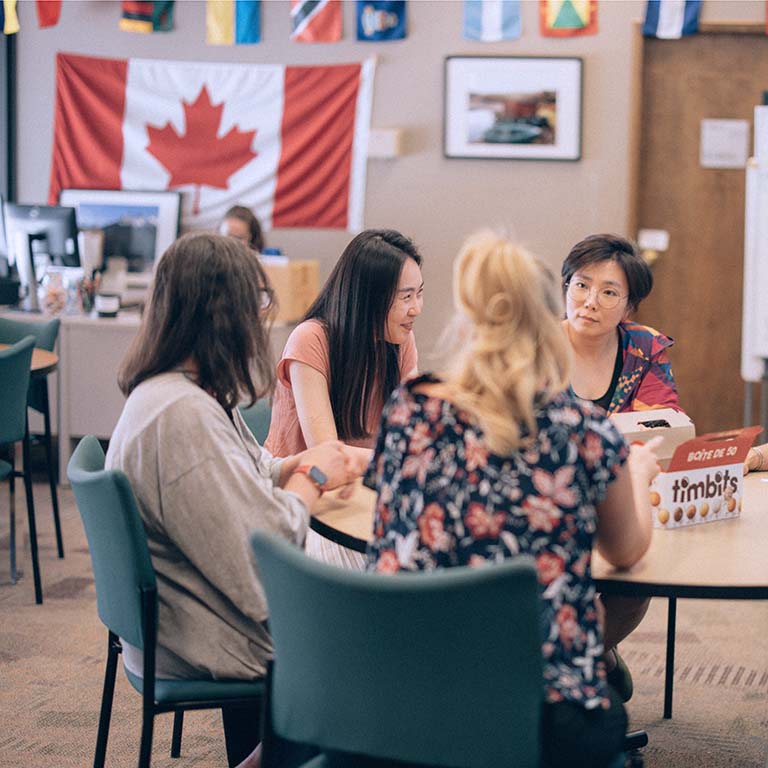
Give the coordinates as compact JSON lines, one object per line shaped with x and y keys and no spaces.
{"x":85,"y":398}
{"x":92,"y":349}
{"x":43,"y":362}
{"x":720,"y":560}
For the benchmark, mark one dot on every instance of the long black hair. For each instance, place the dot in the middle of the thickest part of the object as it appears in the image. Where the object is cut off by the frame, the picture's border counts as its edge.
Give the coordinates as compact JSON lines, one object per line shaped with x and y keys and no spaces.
{"x":353,"y":307}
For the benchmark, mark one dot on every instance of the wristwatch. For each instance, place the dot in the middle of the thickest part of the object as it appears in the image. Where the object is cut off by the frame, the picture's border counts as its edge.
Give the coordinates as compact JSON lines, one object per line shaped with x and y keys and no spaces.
{"x":315,"y":474}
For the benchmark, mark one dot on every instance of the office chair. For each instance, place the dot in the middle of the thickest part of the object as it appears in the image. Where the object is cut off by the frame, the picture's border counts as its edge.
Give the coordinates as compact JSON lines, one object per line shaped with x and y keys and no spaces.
{"x":45,"y":335}
{"x":258,"y":417}
{"x":441,"y":668}
{"x":14,"y":381}
{"x":126,"y":598}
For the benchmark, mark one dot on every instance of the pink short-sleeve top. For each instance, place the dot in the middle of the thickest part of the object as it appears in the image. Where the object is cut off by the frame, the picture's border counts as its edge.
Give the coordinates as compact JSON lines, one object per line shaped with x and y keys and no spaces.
{"x":308,"y":344}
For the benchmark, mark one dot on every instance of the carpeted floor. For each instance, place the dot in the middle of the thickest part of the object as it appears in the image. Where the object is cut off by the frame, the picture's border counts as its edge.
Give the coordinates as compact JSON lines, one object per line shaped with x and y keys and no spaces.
{"x":52,"y":656}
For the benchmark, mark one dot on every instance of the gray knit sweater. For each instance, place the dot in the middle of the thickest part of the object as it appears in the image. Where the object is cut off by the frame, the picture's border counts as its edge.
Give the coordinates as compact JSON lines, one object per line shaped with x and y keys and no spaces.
{"x":203,"y":485}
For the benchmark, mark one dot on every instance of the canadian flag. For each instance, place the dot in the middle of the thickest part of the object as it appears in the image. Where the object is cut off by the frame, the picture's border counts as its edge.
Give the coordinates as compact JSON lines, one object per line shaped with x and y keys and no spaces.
{"x":289,"y":142}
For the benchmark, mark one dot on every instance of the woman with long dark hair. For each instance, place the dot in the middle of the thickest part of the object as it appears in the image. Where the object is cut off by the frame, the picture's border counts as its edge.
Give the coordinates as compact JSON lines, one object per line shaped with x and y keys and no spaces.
{"x":201,"y":480}
{"x":353,"y":347}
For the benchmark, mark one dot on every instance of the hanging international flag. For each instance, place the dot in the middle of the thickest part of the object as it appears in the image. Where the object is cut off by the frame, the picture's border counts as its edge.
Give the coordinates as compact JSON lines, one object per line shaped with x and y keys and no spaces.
{"x":671,"y":19}
{"x":147,"y":16}
{"x":232,"y":21}
{"x":48,"y":12}
{"x":492,"y":20}
{"x":567,"y":18}
{"x":8,"y":18}
{"x":289,"y":142}
{"x":380,"y":20}
{"x":316,"y":21}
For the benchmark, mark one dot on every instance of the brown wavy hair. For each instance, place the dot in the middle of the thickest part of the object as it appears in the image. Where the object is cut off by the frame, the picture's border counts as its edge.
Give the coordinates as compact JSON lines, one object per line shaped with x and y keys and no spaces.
{"x":208,"y":304}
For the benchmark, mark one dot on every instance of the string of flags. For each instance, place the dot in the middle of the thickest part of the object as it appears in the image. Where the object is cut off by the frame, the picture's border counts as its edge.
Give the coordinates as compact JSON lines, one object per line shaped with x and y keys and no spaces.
{"x":236,"y":22}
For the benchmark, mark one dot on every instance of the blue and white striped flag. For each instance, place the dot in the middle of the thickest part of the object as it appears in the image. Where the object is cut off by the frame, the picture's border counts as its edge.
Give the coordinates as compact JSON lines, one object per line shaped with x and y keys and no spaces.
{"x":671,"y":19}
{"x":492,"y":20}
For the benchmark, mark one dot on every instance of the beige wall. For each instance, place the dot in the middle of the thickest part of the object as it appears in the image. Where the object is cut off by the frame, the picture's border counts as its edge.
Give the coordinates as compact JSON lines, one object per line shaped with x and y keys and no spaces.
{"x":547,"y":205}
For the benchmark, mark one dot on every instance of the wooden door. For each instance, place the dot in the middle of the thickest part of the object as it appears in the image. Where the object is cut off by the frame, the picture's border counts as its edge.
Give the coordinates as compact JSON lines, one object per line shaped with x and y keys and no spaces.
{"x":697,"y":296}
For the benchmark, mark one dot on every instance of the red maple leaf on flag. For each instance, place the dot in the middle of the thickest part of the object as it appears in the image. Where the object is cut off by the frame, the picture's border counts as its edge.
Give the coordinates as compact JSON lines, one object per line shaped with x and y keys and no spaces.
{"x":199,"y":156}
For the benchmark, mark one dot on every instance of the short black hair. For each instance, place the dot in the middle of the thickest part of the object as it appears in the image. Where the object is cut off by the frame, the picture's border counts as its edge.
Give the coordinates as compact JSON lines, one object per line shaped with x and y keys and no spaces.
{"x":597,"y":248}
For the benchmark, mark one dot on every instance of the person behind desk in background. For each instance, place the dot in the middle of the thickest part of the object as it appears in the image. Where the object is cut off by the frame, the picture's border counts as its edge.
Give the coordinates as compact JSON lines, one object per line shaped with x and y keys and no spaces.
{"x":497,"y":458}
{"x":241,"y":223}
{"x":353,"y":347}
{"x":202,"y":482}
{"x":618,"y":365}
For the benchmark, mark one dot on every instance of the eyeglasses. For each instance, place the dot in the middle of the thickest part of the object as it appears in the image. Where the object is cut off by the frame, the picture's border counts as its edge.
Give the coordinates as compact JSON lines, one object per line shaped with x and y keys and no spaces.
{"x":607,"y":298}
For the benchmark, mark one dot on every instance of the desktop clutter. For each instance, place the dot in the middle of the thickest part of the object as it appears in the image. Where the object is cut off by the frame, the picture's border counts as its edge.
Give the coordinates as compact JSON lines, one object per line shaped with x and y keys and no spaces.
{"x":56,"y":268}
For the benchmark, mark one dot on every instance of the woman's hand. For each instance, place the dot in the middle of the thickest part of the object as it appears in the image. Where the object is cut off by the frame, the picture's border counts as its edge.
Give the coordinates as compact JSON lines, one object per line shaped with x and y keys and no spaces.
{"x":336,"y":461}
{"x":755,"y":460}
{"x":643,"y":462}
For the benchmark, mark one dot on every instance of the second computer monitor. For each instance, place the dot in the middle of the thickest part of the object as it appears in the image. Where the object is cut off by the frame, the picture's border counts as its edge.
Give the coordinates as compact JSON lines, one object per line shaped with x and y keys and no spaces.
{"x":49,"y":230}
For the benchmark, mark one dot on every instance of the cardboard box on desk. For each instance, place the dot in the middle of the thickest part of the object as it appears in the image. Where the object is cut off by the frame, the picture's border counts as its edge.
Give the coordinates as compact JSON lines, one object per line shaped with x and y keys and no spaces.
{"x":703,"y":481}
{"x":674,"y":427}
{"x":296,"y":283}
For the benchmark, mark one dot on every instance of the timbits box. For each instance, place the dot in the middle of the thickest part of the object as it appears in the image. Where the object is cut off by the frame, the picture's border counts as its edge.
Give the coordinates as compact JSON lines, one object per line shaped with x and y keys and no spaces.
{"x":703,"y":481}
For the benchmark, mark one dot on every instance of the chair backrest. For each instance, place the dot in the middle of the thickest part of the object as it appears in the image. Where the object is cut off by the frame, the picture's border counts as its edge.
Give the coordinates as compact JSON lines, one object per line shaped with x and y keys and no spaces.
{"x":45,"y":334}
{"x":15,"y":365}
{"x":122,"y":568}
{"x":442,"y":668}
{"x":258,"y":417}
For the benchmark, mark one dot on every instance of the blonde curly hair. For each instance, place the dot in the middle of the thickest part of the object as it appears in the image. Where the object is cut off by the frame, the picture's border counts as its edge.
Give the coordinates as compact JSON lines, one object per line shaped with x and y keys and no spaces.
{"x":510,"y":350}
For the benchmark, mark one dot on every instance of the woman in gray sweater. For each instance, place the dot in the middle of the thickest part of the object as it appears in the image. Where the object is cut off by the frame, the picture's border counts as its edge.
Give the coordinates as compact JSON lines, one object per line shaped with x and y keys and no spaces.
{"x":202,"y":482}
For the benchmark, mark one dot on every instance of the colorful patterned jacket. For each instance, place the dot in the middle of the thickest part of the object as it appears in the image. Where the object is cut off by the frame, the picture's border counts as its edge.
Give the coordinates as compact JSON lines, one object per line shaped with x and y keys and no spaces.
{"x":646,"y":380}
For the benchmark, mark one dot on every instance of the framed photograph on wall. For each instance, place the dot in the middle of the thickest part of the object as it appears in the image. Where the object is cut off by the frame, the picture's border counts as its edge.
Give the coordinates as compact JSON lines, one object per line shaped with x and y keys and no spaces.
{"x":512,"y":107}
{"x":137,"y":225}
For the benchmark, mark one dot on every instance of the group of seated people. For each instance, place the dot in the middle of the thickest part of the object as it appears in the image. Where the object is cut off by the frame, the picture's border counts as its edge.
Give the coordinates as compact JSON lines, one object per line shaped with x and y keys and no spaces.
{"x":507,"y":448}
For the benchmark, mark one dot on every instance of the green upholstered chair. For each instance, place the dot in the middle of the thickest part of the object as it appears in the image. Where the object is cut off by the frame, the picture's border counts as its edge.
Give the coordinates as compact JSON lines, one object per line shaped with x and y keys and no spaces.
{"x":45,"y":335}
{"x":15,"y":365}
{"x":439,"y":668}
{"x":126,"y":597}
{"x":257,"y":417}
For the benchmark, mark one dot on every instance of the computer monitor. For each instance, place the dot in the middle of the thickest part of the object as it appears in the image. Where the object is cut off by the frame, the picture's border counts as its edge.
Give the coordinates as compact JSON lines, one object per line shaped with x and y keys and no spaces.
{"x":50,"y":230}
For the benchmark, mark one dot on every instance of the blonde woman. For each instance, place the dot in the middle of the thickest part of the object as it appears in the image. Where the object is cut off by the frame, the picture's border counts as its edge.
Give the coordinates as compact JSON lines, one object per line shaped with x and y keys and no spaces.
{"x":497,"y":458}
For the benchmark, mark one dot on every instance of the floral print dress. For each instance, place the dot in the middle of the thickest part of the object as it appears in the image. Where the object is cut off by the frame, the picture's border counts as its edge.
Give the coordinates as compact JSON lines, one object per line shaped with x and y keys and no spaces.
{"x":445,"y":500}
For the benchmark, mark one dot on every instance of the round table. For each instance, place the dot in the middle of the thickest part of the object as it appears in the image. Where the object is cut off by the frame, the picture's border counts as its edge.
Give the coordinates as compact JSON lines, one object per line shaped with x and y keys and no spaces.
{"x":43,"y":361}
{"x":723,"y":559}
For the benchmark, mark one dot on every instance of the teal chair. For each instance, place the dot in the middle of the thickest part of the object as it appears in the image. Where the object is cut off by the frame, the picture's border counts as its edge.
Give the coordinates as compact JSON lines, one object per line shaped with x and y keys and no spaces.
{"x":441,"y":668}
{"x":45,"y":335}
{"x":126,"y":599}
{"x":257,"y":417}
{"x":15,"y":365}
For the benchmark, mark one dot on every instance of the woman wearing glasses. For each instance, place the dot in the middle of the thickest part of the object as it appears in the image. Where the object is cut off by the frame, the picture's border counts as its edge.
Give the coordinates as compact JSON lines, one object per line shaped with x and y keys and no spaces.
{"x":202,"y":482}
{"x":617,"y":364}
